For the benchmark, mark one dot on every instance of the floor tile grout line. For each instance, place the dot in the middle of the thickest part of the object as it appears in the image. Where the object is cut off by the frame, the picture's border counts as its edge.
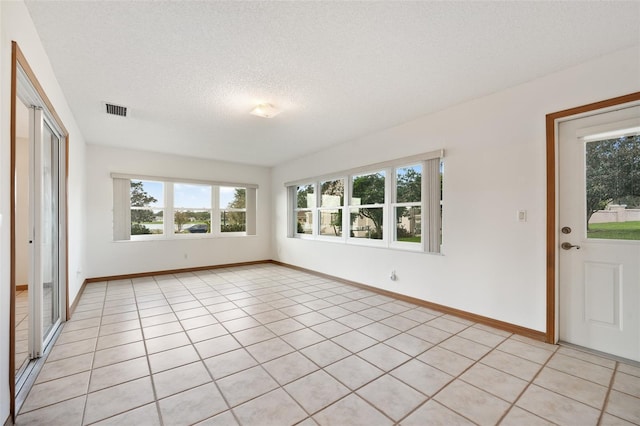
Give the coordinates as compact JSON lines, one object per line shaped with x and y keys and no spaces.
{"x":454,"y":378}
{"x":313,"y":286}
{"x":213,"y":380}
{"x":608,"y":394}
{"x":146,"y":351}
{"x":529,"y":384}
{"x":95,"y":347}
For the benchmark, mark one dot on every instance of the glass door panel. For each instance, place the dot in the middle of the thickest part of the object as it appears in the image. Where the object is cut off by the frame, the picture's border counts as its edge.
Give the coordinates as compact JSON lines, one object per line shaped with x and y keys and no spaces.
{"x":44,"y":278}
{"x":49,"y":232}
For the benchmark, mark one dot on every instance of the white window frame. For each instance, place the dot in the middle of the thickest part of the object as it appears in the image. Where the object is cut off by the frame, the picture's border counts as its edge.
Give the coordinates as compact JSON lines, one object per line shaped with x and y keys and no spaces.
{"x":320,"y":208}
{"x":384,"y":206}
{"x":312,"y":210}
{"x":176,"y":208}
{"x":220,"y":210}
{"x":122,"y":208}
{"x":395,"y":204}
{"x":430,"y":204}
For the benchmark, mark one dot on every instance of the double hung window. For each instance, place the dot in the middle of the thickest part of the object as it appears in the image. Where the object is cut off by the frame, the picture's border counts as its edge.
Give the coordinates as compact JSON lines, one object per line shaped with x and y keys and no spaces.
{"x":396,"y":204}
{"x":330,"y":211}
{"x":155,"y":208}
{"x":305,"y":203}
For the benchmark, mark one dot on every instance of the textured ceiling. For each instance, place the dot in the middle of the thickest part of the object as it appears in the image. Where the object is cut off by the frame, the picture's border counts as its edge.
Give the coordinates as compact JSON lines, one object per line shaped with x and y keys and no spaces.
{"x":190,"y":72}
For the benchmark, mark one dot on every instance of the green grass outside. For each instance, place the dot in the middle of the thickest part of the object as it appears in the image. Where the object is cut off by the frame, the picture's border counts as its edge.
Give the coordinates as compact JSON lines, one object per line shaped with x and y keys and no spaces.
{"x":415,"y":239}
{"x":615,"y":230}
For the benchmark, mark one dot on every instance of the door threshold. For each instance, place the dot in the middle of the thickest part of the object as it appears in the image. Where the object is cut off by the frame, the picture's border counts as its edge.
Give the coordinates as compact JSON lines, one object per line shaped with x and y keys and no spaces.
{"x":31,"y":371}
{"x":600,"y":354}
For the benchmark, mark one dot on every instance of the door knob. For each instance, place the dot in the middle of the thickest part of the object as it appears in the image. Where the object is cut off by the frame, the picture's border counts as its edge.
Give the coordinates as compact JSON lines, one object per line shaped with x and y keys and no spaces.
{"x":569,"y":246}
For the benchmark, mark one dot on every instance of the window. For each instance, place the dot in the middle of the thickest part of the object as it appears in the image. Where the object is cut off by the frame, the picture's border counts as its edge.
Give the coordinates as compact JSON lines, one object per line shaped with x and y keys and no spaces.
{"x":366,"y":209}
{"x":397,"y":204}
{"x":407,"y":207}
{"x":233,"y":209}
{"x":330,"y":211}
{"x":191,"y":208}
{"x":147,"y":211}
{"x":146,"y":208}
{"x":305,"y":203}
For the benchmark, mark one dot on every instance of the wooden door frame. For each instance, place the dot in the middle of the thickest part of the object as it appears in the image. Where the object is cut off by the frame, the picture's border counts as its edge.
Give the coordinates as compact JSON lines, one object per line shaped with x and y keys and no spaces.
{"x":552,"y":121}
{"x":18,"y":59}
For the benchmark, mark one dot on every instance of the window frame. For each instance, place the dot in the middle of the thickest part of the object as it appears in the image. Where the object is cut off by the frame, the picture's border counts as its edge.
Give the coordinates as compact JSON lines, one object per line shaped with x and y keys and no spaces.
{"x":122,"y":203}
{"x":384,"y":206}
{"x":394,"y":205}
{"x":175,"y":208}
{"x":218,"y":227}
{"x":320,"y":208}
{"x":311,"y":210}
{"x":431,"y":202}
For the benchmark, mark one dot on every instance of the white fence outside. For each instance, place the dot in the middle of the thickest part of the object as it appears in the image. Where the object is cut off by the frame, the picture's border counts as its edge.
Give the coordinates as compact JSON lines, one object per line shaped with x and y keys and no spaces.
{"x":615,"y":213}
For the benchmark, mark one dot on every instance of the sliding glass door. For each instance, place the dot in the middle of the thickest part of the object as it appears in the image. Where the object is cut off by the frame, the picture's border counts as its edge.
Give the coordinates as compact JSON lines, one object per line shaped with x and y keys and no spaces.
{"x":44,"y":238}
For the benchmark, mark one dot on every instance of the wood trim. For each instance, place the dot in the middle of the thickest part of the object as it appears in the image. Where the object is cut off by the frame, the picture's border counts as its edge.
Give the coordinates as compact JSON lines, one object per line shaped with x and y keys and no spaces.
{"x":173,"y":271}
{"x":501,"y":325}
{"x":73,"y":307}
{"x":22,"y":287}
{"x":12,"y":273}
{"x":36,"y":84}
{"x":551,"y":120}
{"x":18,"y":58}
{"x":66,"y":225}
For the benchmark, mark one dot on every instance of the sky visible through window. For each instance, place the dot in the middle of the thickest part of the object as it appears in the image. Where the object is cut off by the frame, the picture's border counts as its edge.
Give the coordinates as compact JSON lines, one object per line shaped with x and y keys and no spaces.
{"x":188,"y":195}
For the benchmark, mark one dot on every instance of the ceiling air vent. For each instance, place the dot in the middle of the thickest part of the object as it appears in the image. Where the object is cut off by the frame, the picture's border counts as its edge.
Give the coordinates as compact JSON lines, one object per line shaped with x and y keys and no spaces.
{"x":116,"y":110}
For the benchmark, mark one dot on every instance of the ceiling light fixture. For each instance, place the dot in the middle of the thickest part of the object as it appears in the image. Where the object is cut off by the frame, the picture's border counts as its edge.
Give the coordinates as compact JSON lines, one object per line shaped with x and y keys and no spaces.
{"x":265,"y":111}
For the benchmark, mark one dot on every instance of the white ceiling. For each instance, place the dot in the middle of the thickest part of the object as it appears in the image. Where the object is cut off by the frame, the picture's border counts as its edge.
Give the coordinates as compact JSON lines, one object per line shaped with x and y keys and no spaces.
{"x":190,"y":72}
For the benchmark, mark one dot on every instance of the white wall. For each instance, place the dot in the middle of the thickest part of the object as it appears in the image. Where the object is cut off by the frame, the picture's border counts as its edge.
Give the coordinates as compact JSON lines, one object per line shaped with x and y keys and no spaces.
{"x":492,"y":265}
{"x":108,"y":258}
{"x":16,"y":24}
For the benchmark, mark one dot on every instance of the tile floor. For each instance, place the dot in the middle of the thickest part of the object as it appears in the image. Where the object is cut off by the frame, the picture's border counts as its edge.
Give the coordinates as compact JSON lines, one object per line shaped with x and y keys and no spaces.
{"x":22,"y":329}
{"x":268,"y":345}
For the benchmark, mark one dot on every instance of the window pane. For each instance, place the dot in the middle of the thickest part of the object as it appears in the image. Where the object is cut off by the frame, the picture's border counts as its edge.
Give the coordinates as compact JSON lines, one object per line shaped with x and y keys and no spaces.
{"x":408,"y":224}
{"x":306,"y":198}
{"x":191,"y":196}
{"x":368,"y":189}
{"x":146,"y":221}
{"x":366,"y":223}
{"x":233,"y":198}
{"x":304,"y":222}
{"x":147,"y":200}
{"x":192,"y":221}
{"x":332,"y":192}
{"x":409,"y":184}
{"x":613,"y":188}
{"x":231,"y":221}
{"x":331,"y":222}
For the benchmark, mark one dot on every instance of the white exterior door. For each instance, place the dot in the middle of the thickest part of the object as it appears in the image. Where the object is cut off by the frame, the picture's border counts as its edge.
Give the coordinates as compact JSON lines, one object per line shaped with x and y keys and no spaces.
{"x":599,"y":231}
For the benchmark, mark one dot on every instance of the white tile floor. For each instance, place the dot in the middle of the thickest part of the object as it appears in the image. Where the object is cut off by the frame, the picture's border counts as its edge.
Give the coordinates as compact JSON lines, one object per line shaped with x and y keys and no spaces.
{"x":22,"y":329}
{"x":268,"y":345}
